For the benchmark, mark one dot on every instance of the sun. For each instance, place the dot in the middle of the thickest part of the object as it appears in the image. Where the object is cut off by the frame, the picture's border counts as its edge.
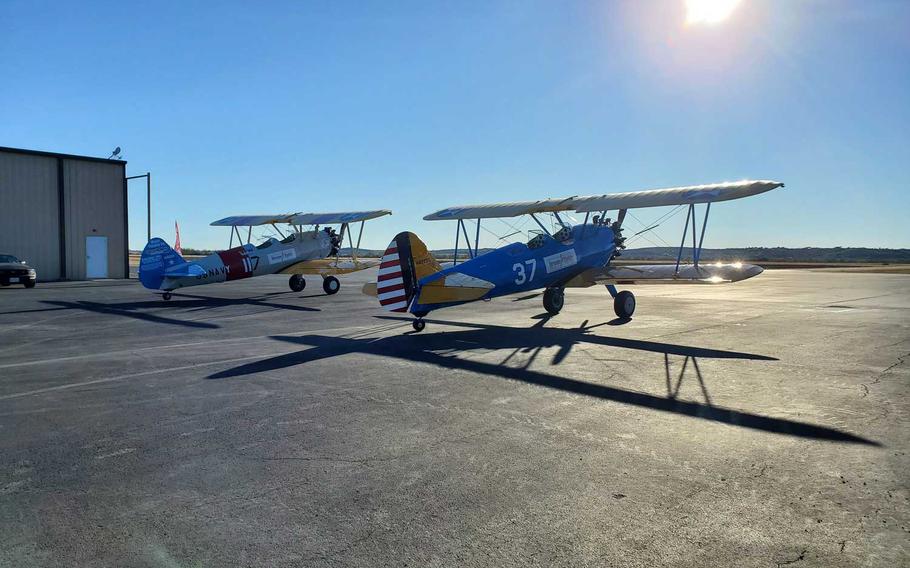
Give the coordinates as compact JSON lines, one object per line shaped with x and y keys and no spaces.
{"x":709,"y":11}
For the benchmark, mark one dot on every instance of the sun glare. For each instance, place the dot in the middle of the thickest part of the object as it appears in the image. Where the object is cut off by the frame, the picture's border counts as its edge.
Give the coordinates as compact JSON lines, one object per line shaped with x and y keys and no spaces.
{"x":709,"y":11}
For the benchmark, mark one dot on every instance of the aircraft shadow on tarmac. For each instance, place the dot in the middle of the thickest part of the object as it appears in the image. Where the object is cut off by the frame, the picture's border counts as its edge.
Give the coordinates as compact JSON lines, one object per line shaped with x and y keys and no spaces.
{"x":442,"y":349}
{"x":135,"y":310}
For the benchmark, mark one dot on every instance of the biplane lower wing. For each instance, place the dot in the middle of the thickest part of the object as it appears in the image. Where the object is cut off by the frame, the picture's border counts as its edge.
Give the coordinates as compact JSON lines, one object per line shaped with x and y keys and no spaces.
{"x":716,"y":273}
{"x":329,"y":266}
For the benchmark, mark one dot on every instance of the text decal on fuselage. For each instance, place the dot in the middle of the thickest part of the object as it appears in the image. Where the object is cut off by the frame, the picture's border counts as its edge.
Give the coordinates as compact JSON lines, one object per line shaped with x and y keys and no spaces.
{"x":560,"y":260}
{"x":282,"y":256}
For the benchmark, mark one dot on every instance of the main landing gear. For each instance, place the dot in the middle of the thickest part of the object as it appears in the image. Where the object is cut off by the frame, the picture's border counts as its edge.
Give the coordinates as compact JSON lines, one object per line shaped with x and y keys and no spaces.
{"x":331,"y":285}
{"x":623,"y":302}
{"x":297,"y":283}
{"x":553,"y":300}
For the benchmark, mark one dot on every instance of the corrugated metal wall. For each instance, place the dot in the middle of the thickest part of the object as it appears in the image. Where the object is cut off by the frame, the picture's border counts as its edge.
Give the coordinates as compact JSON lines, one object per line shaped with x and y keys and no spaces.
{"x":93,"y":202}
{"x":29,"y":215}
{"x":93,"y":197}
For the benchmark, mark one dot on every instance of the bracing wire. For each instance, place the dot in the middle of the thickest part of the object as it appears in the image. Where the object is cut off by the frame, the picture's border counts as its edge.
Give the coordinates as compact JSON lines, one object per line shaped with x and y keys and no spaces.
{"x":656,"y":223}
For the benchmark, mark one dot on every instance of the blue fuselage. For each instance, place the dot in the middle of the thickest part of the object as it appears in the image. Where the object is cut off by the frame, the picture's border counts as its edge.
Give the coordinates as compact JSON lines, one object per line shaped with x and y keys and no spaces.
{"x":518,"y":267}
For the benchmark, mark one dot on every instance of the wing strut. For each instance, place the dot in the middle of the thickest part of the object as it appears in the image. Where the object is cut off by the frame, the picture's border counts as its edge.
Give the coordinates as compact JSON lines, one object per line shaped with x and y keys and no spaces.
{"x":457,"y":236}
{"x":359,"y":236}
{"x":620,"y":219}
{"x":701,"y":239}
{"x":539,"y":224}
{"x":462,"y":229}
{"x":467,"y":240}
{"x":696,"y":249}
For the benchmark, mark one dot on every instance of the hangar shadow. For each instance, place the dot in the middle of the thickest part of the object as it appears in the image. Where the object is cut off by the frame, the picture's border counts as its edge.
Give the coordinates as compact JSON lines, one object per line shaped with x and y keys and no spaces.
{"x":127,"y":309}
{"x":137,"y":309}
{"x":444,"y":349}
{"x":197,"y":301}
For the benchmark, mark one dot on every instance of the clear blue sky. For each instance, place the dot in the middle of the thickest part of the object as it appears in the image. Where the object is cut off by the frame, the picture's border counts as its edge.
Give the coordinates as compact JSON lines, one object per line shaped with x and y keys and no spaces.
{"x":260,"y":107}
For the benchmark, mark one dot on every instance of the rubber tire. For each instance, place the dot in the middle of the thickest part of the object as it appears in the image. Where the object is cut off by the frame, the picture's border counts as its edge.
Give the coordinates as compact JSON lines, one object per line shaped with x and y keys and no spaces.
{"x":30,"y":283}
{"x":331,"y":285}
{"x":624,"y":304}
{"x":553,"y":300}
{"x":418,"y":325}
{"x":297,"y":283}
{"x":166,"y":296}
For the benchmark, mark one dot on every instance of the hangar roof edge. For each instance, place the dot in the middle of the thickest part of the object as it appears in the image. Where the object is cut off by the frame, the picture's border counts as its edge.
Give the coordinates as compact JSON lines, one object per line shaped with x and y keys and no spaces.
{"x":59,"y":155}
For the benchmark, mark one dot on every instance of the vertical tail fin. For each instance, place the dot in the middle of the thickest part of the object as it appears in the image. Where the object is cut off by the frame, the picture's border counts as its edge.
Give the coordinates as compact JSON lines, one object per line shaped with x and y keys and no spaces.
{"x":157,"y":257}
{"x":404,"y":263}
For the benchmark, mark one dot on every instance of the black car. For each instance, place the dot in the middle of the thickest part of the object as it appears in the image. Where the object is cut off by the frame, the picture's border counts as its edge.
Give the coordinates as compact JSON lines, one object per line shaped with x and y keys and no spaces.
{"x":15,"y":271}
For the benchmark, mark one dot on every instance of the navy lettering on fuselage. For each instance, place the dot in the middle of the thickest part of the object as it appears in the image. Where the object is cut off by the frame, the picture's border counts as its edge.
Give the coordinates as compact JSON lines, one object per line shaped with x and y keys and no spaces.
{"x":214,"y":272}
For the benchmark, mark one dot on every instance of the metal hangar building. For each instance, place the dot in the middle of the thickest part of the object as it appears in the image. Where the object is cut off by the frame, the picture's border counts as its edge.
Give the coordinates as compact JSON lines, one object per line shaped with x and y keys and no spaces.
{"x":65,"y":215}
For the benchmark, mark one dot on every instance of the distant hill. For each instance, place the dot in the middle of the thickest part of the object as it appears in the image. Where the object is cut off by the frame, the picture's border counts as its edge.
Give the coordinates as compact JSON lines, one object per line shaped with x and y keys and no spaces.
{"x":778,"y":254}
{"x":751,"y":254}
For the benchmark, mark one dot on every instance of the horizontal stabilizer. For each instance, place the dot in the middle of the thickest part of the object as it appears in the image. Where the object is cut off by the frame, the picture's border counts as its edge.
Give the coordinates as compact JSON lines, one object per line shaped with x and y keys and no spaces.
{"x":183,"y":270}
{"x":454,"y":287}
{"x":715,"y":273}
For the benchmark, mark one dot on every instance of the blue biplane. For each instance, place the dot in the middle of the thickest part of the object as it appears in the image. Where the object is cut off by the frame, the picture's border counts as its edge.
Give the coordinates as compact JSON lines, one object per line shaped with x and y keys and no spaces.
{"x":411,"y":280}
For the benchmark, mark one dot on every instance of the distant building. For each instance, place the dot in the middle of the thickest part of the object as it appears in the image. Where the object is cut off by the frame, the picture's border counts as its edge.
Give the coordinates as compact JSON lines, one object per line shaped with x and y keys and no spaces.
{"x":64,"y":214}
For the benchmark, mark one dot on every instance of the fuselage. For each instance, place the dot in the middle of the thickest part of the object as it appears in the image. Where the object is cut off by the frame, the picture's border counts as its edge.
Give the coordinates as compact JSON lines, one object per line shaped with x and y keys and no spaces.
{"x":520,"y":267}
{"x":248,"y":260}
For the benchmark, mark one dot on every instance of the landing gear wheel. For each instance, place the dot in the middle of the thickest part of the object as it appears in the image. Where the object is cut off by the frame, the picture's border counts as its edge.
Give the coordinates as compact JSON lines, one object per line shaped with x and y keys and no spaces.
{"x":553,"y":300}
{"x":418,"y":325}
{"x":166,"y":296}
{"x":297,"y":283}
{"x":624,"y":304}
{"x":331,"y":285}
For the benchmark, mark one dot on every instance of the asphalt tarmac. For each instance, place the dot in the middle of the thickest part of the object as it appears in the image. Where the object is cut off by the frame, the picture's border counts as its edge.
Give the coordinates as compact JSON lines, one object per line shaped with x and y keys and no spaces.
{"x":758,"y":424}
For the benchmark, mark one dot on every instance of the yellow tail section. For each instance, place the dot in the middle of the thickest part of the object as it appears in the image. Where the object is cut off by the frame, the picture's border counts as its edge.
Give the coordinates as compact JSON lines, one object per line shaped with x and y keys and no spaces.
{"x":404,"y":263}
{"x":424,"y":262}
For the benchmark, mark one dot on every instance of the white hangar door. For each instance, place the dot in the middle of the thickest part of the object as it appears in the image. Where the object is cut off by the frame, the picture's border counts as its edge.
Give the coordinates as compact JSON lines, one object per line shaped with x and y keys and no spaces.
{"x":96,"y":257}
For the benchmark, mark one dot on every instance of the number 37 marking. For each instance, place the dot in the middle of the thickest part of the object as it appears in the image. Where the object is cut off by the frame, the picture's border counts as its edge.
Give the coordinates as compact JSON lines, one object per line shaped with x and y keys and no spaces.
{"x":520,"y":276}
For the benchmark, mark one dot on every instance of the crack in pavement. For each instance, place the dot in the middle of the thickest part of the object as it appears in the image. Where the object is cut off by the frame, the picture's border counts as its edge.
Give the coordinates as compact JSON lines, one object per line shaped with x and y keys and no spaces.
{"x":802,"y":556}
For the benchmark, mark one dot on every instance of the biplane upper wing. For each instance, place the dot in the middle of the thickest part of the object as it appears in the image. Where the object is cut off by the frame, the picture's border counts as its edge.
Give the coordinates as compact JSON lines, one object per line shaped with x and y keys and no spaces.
{"x":252,"y":220}
{"x":333,"y":218}
{"x":499,"y":210}
{"x":674,"y":196}
{"x":630,"y":200}
{"x":300,"y":218}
